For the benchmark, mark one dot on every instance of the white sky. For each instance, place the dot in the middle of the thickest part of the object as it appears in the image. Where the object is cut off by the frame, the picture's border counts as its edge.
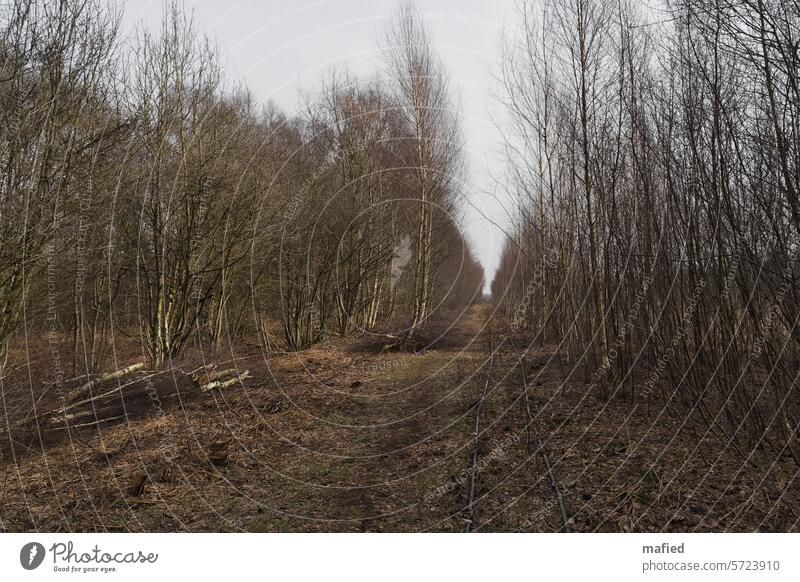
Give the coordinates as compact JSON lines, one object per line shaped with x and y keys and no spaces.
{"x":282,"y":47}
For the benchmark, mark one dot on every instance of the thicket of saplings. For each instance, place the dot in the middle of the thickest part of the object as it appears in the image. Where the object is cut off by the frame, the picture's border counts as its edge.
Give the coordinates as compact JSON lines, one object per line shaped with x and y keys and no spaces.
{"x":657,"y":171}
{"x":144,"y":197}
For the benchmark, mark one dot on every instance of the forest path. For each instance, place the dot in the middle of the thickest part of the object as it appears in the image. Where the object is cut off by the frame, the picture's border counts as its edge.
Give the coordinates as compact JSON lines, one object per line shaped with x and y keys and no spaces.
{"x":339,"y":437}
{"x":342,"y":437}
{"x":407,"y":457}
{"x":403,"y":430}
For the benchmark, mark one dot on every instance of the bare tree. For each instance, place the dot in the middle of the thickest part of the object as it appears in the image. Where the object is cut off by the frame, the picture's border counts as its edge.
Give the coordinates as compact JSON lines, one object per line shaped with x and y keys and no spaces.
{"x":423,"y":96}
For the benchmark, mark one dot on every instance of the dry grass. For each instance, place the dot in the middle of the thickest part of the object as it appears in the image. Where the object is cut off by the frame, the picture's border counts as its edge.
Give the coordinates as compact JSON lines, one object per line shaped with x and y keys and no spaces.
{"x":337,"y":438}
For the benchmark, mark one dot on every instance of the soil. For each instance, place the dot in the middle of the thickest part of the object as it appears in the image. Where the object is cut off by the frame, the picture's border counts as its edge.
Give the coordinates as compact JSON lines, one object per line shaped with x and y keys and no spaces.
{"x":345,"y":438}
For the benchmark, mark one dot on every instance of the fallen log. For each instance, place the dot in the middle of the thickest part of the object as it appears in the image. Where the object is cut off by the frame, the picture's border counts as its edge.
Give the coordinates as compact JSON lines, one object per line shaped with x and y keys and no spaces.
{"x":96,"y":413}
{"x":224,"y":383}
{"x":208,"y":377}
{"x":105,"y":395}
{"x":103,"y":378}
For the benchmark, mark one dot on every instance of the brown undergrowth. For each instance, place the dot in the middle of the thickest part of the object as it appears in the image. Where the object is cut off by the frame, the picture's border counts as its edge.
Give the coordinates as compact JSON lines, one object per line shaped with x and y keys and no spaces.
{"x":343,"y":438}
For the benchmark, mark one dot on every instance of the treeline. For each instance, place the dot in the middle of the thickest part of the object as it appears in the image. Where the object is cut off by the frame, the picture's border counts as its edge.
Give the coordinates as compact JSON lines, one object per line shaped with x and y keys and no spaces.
{"x":143,"y":196}
{"x":656,"y":169}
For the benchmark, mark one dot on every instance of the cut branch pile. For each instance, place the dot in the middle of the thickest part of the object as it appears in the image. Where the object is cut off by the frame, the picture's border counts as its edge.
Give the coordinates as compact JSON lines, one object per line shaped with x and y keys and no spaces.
{"x":133,"y":391}
{"x":117,"y":395}
{"x":129,"y":392}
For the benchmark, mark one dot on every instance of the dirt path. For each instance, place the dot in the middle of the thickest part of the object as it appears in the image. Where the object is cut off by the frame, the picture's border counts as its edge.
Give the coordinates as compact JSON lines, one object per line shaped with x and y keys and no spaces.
{"x":402,"y":431}
{"x":340,"y":438}
{"x":330,"y":439}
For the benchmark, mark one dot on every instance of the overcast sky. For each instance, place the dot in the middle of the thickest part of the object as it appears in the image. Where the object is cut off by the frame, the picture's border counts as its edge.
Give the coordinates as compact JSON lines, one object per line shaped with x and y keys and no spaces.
{"x":282,"y":47}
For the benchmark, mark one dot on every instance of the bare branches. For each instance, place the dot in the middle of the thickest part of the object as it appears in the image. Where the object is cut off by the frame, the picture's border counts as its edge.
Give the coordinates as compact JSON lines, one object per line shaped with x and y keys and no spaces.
{"x":656,"y":184}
